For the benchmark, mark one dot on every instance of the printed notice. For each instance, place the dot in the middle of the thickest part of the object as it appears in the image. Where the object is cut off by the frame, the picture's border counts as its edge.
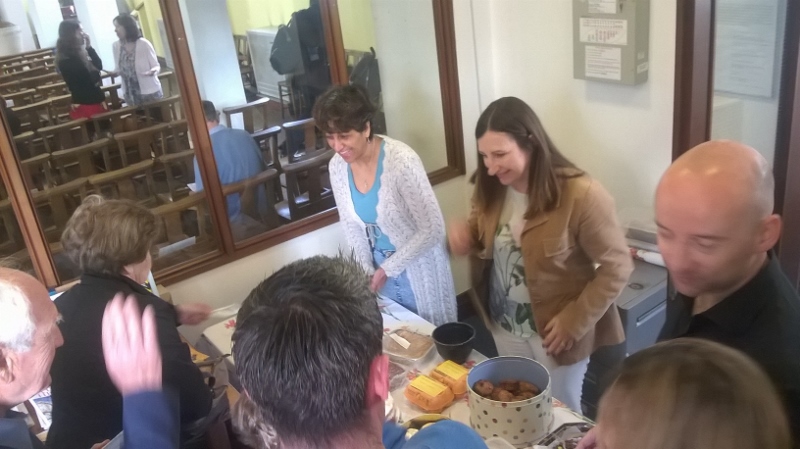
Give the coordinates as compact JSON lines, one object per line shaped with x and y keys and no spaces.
{"x":603,"y":6}
{"x":604,"y":62}
{"x":604,"y":31}
{"x":746,"y":40}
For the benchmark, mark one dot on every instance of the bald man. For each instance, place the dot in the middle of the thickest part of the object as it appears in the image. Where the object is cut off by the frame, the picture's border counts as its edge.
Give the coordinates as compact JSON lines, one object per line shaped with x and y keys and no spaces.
{"x":716,"y":227}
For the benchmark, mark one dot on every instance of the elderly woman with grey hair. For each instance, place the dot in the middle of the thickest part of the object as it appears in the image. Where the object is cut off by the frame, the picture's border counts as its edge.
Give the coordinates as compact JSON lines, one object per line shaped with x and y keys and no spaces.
{"x":110,"y":241}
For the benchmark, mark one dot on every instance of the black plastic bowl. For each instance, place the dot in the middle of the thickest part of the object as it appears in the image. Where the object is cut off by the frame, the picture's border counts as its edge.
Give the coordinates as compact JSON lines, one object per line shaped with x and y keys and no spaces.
{"x":454,"y":341}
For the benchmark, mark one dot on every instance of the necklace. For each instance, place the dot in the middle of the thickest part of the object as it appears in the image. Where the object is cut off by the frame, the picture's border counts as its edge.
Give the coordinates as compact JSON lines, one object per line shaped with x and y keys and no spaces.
{"x":375,"y":155}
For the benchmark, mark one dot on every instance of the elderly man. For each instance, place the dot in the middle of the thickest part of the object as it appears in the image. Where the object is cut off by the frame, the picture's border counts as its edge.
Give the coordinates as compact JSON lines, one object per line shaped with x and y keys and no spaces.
{"x":308,"y":349}
{"x":29,"y":337}
{"x":716,"y":227}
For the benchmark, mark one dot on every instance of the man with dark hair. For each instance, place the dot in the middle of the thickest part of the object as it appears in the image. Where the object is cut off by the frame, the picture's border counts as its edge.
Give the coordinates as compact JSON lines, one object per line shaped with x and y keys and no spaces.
{"x":238,"y":158}
{"x":308,"y":349}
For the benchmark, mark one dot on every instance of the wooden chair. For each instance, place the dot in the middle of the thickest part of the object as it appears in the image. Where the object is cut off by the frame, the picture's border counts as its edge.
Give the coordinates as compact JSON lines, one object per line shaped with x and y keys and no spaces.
{"x":267,"y":141}
{"x":168,"y":84}
{"x":122,"y":183}
{"x":33,"y":116}
{"x":245,"y":61}
{"x":117,"y":121}
{"x":142,"y":144}
{"x":59,"y":109}
{"x":22,"y":97}
{"x":163,"y":111}
{"x":52,"y":90}
{"x":170,"y":217}
{"x":29,"y":81}
{"x":179,"y":139}
{"x":65,"y":135}
{"x":248,"y":112}
{"x":78,"y":162}
{"x":29,"y":144}
{"x":11,"y":236}
{"x":314,"y":196}
{"x":301,"y":137}
{"x":24,"y":75}
{"x":179,"y":171}
{"x":56,"y":205}
{"x":112,"y":96}
{"x":248,"y":192}
{"x":36,"y":172}
{"x":9,"y":87}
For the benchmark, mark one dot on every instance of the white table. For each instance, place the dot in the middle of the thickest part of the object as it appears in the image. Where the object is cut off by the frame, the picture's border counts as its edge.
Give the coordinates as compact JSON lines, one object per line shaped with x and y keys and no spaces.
{"x":394,"y":315}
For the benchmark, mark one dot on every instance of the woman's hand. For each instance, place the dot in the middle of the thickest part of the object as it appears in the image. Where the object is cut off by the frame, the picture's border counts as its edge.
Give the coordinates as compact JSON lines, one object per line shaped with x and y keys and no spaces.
{"x":459,"y":237}
{"x":151,"y":72}
{"x":193,"y":313}
{"x":87,"y":41}
{"x":101,"y":445}
{"x":378,"y":280}
{"x":556,"y":338}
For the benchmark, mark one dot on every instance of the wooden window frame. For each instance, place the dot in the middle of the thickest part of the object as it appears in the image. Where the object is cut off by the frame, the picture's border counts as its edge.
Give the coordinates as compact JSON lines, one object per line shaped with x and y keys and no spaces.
{"x":694,"y":70}
{"x":228,"y":250}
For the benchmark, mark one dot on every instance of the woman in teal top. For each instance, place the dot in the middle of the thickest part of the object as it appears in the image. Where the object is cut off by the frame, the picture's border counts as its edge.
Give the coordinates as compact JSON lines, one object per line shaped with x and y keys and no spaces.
{"x":390,"y":216}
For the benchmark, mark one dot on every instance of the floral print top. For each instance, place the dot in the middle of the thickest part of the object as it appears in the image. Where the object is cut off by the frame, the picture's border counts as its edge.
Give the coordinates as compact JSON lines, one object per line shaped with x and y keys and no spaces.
{"x":509,"y":301}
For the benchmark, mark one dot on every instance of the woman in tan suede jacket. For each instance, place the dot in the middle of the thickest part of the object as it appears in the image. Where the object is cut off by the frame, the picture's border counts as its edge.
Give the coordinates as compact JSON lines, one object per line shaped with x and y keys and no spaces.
{"x":549,"y":257}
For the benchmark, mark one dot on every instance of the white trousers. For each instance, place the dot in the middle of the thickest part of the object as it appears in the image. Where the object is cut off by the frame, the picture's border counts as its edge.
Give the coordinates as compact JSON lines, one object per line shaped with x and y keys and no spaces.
{"x":566,"y":381}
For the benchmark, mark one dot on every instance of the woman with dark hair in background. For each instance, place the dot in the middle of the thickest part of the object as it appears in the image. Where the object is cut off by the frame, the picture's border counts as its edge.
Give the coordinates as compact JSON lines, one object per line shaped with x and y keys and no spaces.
{"x":80,"y":67}
{"x":550,"y":257}
{"x":136,"y":63}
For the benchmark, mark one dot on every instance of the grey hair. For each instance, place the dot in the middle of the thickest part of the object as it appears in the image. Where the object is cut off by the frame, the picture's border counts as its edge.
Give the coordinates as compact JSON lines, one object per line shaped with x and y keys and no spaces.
{"x":304,"y":344}
{"x":764,"y":187}
{"x":16,"y":320}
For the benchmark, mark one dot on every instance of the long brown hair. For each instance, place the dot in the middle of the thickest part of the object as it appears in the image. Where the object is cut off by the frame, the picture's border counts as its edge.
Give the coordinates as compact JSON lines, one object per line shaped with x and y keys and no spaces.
{"x":514,"y":117}
{"x":69,"y":46}
{"x":693,"y":394}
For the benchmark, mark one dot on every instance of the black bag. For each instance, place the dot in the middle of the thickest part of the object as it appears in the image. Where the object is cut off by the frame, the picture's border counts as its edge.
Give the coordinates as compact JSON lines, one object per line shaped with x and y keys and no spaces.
{"x":366,"y":73}
{"x":285,"y":56}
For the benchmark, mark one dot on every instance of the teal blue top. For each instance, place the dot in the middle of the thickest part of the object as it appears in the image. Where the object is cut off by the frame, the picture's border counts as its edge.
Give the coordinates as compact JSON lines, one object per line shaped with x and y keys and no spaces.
{"x":366,"y":206}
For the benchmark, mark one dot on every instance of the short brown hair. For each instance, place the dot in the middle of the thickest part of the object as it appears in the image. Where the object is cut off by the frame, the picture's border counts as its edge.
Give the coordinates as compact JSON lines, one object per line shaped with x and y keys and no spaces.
{"x":692,"y":394}
{"x":103,"y":236}
{"x":344,"y":108}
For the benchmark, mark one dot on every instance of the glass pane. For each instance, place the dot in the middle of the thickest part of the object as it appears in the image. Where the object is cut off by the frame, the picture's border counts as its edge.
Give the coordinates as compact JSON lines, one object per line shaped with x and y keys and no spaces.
{"x":270,"y":157}
{"x":13,"y":253}
{"x":748,"y":51}
{"x":119,"y":132}
{"x":402,"y":74}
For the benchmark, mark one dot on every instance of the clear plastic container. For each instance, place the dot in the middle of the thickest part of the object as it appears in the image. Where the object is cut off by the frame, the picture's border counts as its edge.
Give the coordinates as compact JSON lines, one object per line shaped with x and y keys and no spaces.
{"x":419,"y":347}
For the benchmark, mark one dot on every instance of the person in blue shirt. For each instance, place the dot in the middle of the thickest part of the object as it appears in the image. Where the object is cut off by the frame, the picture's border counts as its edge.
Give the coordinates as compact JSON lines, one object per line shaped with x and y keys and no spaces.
{"x":309,"y":354}
{"x":238,"y":157}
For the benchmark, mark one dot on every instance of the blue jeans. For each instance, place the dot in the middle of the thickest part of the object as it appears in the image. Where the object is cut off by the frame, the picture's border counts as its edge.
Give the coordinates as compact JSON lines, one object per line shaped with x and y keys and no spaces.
{"x":397,"y":288}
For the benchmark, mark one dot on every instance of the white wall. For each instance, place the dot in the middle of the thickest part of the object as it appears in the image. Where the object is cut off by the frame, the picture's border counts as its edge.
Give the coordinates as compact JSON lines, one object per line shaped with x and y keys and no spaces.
{"x":211,"y":45}
{"x":405,"y":43}
{"x":97,"y":17}
{"x":45,"y":16}
{"x":621,"y":135}
{"x":14,"y":11}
